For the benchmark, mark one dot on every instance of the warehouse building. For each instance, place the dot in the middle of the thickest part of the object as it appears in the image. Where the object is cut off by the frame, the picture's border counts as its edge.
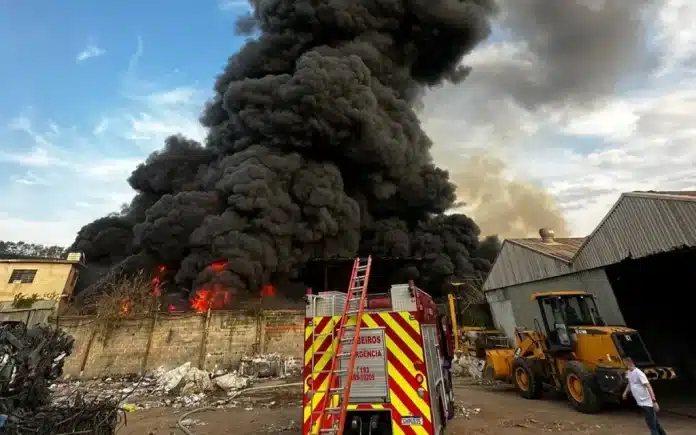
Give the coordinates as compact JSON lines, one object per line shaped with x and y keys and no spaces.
{"x":639,"y":262}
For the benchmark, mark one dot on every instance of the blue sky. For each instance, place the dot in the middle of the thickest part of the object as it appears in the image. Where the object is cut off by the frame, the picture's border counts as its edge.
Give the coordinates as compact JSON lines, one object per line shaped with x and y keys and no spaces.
{"x":89,"y":89}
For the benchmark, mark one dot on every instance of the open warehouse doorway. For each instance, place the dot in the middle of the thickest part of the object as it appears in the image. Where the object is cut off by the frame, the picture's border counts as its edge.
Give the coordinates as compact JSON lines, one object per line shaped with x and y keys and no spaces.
{"x":657,"y":296}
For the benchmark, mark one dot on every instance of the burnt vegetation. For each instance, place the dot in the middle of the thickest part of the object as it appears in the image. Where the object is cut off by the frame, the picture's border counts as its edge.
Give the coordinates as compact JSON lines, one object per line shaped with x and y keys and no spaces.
{"x":313,"y":151}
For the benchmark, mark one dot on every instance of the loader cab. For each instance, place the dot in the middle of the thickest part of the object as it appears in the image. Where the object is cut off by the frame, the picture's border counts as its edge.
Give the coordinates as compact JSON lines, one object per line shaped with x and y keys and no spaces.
{"x":562,"y":310}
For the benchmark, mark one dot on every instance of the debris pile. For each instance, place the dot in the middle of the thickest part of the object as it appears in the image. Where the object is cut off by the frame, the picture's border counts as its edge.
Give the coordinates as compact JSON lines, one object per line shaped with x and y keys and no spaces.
{"x":270,"y":366}
{"x":187,"y":386}
{"x":464,"y":365}
{"x":30,"y":360}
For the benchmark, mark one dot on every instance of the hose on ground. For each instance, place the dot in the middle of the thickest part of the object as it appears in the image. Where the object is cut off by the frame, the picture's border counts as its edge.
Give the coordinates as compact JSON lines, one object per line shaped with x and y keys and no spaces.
{"x":187,"y":431}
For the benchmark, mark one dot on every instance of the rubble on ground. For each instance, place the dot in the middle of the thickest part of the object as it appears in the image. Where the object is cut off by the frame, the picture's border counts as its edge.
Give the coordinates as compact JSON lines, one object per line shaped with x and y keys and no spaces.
{"x":464,"y":365}
{"x":293,"y":426}
{"x":466,"y":412}
{"x":187,"y":386}
{"x":269,"y":366}
{"x":231,"y":381}
{"x":189,"y":422}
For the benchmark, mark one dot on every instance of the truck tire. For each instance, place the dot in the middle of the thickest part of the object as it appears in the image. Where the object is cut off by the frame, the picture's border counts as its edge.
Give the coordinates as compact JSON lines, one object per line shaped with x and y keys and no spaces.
{"x":526,"y":380}
{"x":443,"y":414}
{"x":581,"y":388}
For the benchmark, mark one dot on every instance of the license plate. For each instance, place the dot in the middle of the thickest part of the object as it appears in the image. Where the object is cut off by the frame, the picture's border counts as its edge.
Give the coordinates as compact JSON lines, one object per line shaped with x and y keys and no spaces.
{"x":412,"y":421}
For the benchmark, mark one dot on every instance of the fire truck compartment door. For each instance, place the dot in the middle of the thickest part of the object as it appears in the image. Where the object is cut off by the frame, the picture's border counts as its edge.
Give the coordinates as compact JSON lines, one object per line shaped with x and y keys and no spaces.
{"x":370,"y":373}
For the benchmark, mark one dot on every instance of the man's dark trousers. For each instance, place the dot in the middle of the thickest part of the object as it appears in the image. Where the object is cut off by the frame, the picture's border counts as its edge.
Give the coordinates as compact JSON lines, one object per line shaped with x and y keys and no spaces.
{"x":652,"y":421}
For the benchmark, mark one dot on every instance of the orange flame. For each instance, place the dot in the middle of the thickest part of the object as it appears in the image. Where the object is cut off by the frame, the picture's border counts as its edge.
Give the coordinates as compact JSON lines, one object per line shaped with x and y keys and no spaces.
{"x":125,"y":306}
{"x":214,"y":298}
{"x":157,"y":281}
{"x":218,"y":266}
{"x":268,"y":290}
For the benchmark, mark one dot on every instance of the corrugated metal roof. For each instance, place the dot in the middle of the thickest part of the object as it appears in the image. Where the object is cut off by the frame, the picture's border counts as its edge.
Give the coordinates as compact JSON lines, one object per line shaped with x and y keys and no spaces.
{"x":638,"y":225}
{"x":561,"y":248}
{"x":689,"y":194}
{"x":518,"y":264}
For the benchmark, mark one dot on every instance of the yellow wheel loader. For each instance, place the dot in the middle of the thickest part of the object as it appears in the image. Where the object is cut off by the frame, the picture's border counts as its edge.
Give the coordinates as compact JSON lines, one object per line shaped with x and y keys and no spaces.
{"x":573,"y":351}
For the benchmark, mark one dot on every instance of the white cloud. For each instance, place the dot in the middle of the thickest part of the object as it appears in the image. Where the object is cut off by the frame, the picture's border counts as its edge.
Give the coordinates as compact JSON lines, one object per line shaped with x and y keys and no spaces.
{"x":101,"y":127}
{"x":234,"y":5}
{"x":49,"y":232}
{"x":31,"y":179}
{"x":89,"y":52}
{"x":36,"y":157}
{"x":65,"y":177}
{"x":181,"y":95}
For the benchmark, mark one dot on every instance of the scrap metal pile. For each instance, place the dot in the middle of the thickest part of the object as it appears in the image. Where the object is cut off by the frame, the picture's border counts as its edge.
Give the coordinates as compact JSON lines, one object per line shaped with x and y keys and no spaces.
{"x":31,"y":360}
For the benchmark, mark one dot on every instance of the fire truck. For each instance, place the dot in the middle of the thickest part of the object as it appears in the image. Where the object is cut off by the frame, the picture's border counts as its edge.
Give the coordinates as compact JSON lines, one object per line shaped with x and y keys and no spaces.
{"x":376,"y":364}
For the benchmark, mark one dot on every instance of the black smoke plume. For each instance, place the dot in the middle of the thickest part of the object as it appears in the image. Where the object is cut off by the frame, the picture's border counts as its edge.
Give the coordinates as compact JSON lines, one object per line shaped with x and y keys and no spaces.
{"x":313,"y":150}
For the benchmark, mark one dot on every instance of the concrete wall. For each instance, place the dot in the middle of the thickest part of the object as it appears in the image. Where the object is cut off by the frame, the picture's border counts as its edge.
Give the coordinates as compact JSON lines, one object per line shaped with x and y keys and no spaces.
{"x":220,"y":341}
{"x":51,"y":278}
{"x":518,"y":298}
{"x":40,"y":312}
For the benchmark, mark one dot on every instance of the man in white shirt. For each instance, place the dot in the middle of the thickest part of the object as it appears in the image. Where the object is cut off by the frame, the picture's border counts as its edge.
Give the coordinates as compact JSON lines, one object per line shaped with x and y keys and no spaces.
{"x":642,"y":392}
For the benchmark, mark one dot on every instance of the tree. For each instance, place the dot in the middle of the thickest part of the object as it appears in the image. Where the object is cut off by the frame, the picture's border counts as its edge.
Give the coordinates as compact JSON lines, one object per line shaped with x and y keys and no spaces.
{"x":22,"y":249}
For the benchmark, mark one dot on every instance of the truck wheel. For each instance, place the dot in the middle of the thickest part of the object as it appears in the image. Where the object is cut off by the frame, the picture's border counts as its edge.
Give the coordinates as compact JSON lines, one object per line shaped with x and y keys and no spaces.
{"x":443,"y":415}
{"x":526,"y":381}
{"x":580,"y":388}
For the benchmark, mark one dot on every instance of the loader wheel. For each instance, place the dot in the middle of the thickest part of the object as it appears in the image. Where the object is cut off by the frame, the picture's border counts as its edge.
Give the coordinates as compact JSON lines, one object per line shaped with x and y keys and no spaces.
{"x":580,"y":387}
{"x":526,"y":381}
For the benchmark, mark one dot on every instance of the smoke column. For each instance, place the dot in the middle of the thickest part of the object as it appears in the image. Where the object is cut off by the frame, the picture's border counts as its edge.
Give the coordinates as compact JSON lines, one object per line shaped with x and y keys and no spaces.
{"x":314,"y":150}
{"x":564,"y":57}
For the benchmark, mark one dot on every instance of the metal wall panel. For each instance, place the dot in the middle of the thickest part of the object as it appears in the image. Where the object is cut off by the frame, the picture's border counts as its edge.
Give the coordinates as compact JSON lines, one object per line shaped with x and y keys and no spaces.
{"x":638,"y":227}
{"x":523,"y":311}
{"x":516,"y":264}
{"x":504,"y":317}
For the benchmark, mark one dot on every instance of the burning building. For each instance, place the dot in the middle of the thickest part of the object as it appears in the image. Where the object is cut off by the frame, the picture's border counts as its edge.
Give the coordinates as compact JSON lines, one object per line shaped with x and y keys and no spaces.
{"x":313,"y":151}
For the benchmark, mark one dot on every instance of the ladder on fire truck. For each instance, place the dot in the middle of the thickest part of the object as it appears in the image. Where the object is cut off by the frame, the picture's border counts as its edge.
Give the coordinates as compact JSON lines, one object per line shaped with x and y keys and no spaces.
{"x":336,"y":397}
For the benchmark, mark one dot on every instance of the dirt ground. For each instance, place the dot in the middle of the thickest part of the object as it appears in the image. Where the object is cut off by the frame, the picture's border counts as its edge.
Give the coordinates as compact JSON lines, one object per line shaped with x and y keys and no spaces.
{"x":482,"y":410}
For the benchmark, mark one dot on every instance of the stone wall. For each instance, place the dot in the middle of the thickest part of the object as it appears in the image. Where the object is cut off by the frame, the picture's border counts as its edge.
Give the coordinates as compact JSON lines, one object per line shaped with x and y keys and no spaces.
{"x":144,"y":343}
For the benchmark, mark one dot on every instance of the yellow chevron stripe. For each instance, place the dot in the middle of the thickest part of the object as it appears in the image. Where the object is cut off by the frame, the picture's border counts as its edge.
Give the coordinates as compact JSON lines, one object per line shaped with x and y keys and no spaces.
{"x":408,"y":341}
{"x":320,"y":340}
{"x":408,"y":364}
{"x":403,"y":410}
{"x":316,"y":400}
{"x":409,"y":391}
{"x":320,"y":364}
{"x":308,"y":331}
{"x":369,"y":322}
{"x":411,"y":321}
{"x":313,"y":403}
{"x":396,"y":429}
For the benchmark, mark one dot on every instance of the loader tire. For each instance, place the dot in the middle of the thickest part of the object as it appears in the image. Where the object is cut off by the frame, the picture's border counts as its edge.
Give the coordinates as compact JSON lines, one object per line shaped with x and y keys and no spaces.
{"x":528,"y":384}
{"x":581,"y":388}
